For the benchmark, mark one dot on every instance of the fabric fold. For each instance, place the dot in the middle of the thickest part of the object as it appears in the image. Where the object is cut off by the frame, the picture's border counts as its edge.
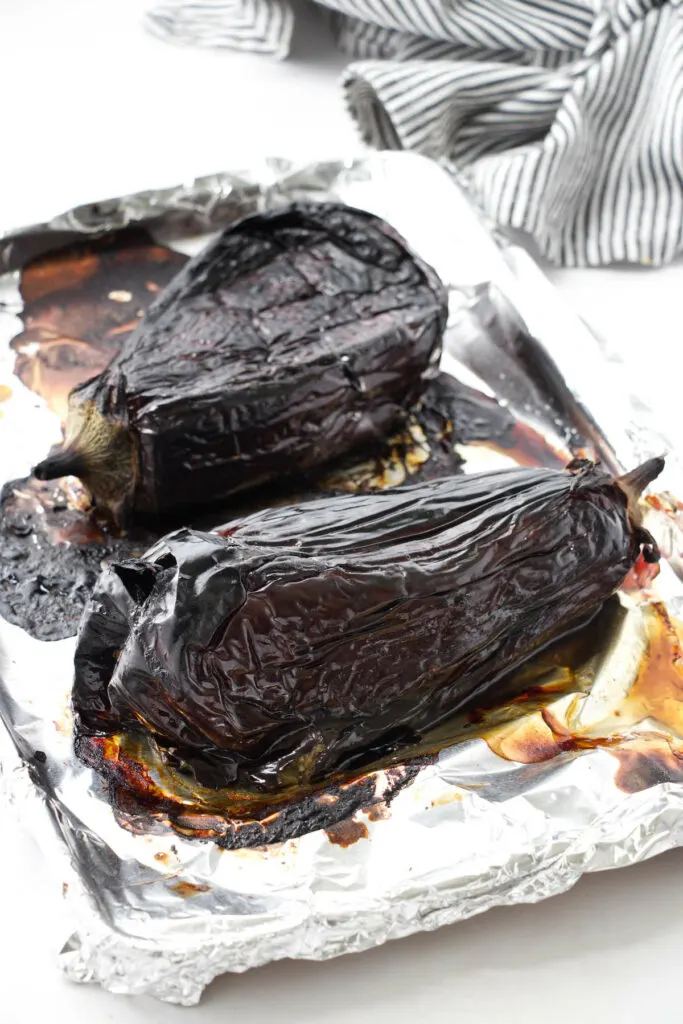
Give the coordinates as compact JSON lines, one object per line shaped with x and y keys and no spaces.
{"x":256,"y":26}
{"x":563,"y":117}
{"x":583,"y":151}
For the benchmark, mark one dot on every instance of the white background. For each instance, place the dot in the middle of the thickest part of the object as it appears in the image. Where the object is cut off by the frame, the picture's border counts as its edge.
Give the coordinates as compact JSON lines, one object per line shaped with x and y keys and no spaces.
{"x":92,"y":107}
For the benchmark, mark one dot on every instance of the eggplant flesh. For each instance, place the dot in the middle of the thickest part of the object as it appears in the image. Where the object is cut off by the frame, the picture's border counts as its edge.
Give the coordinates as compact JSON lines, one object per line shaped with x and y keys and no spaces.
{"x":313,"y":639}
{"x":298,"y":335}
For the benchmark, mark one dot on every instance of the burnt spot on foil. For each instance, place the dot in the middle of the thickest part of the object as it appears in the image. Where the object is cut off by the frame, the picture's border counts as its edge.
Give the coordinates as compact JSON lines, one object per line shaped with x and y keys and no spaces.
{"x":647,"y":761}
{"x":346,"y":833}
{"x":188,"y":890}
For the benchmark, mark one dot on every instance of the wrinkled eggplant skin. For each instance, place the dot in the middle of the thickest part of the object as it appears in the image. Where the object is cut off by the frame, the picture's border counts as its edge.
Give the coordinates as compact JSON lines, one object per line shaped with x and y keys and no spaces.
{"x":51,"y":553}
{"x":298,"y":335}
{"x":316,"y":638}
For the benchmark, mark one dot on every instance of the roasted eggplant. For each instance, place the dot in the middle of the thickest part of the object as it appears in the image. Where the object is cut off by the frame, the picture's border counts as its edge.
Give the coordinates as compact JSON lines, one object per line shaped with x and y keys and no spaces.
{"x":52,"y":548}
{"x":295,"y":337}
{"x":307,"y":641}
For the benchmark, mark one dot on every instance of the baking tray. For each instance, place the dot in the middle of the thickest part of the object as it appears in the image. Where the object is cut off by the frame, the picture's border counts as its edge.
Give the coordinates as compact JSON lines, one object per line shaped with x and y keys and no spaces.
{"x":586,"y":779}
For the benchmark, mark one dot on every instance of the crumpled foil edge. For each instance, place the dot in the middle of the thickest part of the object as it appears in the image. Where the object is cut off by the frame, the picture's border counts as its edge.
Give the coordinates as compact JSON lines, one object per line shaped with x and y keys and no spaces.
{"x":551,"y":863}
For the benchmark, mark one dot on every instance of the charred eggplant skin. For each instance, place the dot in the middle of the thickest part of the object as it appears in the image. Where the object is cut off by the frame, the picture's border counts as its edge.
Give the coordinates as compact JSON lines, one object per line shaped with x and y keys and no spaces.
{"x":314,"y":638}
{"x":298,"y":335}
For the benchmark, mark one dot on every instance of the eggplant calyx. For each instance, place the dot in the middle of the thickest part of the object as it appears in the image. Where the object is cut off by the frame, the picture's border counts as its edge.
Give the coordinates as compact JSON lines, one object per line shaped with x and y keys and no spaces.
{"x":634,"y":483}
{"x":60,"y":462}
{"x":99,"y":450}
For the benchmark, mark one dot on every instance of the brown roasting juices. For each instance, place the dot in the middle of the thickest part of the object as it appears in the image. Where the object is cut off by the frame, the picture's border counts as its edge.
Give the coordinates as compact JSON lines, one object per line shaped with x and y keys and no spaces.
{"x":79,"y":306}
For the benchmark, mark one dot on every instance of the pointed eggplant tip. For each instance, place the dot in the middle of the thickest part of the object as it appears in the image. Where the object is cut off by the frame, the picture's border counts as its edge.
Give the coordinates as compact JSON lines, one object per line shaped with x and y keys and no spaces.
{"x":61,"y":463}
{"x":635,"y":482}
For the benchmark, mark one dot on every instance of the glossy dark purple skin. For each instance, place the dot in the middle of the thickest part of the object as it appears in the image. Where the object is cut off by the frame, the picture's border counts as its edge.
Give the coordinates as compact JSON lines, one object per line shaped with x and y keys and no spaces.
{"x":297,"y":336}
{"x":344,"y":628}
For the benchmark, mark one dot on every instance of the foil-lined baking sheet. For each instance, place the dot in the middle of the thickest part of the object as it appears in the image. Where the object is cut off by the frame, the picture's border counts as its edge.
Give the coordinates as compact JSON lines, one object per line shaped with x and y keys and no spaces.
{"x":586,"y":778}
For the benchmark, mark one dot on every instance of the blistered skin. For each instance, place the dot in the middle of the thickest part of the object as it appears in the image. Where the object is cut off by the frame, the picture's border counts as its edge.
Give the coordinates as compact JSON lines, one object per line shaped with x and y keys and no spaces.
{"x":313,"y":639}
{"x":298,"y":335}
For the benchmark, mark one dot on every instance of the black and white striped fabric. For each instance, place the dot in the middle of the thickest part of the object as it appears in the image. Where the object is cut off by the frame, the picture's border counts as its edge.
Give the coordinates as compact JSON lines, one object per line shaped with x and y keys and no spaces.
{"x":565,"y":117}
{"x":258,"y":26}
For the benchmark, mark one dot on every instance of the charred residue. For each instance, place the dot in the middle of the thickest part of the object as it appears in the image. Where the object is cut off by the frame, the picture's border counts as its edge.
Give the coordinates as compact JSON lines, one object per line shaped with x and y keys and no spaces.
{"x":141,"y":810}
{"x":51,"y":553}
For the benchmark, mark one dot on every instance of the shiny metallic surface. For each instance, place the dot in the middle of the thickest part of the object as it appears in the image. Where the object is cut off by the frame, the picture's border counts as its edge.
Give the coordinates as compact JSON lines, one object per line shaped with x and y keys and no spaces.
{"x":479,"y":827}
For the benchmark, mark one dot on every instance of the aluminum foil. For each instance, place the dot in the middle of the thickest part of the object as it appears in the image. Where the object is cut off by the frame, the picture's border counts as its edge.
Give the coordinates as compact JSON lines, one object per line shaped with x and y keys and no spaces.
{"x":592,"y":780}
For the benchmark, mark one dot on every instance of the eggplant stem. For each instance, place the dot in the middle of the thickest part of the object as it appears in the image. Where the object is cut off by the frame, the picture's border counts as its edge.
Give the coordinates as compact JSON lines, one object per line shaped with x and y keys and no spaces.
{"x":635,"y":482}
{"x":61,"y":463}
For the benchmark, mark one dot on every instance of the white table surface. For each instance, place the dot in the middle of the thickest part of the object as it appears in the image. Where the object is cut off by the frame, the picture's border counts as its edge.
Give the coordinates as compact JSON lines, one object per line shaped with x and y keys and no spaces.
{"x":95,"y":107}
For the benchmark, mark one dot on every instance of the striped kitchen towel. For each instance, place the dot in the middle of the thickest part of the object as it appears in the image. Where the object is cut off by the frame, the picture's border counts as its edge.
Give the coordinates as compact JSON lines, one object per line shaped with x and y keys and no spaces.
{"x":563,"y":117}
{"x":257,"y":26}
